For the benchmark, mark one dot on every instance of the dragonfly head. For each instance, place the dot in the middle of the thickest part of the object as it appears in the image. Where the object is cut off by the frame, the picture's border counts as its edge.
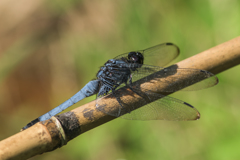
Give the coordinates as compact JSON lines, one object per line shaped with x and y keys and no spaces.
{"x":135,"y":57}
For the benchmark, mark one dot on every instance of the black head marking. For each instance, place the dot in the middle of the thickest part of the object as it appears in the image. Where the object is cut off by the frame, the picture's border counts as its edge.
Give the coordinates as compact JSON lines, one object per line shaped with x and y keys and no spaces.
{"x":135,"y":57}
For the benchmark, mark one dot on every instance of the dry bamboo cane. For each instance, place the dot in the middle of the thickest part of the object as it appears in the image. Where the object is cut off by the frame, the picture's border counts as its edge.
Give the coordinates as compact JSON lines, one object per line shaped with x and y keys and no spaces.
{"x":57,"y":131}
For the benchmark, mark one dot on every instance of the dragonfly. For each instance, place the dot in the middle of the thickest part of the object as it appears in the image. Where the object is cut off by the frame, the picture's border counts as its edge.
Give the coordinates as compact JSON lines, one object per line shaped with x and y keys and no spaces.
{"x":126,"y":70}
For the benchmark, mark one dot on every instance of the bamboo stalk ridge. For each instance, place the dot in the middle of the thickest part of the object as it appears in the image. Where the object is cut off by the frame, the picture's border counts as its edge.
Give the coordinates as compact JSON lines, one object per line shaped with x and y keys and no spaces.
{"x":57,"y":131}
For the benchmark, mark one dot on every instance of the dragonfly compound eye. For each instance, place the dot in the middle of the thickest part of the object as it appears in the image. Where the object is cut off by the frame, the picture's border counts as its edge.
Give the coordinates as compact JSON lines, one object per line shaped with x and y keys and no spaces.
{"x":135,"y":57}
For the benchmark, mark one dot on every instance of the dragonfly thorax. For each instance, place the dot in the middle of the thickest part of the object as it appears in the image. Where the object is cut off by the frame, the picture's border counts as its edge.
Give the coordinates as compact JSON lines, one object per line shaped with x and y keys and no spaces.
{"x":113,"y":74}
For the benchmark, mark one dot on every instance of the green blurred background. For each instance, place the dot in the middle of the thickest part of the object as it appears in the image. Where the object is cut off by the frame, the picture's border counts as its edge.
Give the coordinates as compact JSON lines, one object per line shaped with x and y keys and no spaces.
{"x":50,"y":49}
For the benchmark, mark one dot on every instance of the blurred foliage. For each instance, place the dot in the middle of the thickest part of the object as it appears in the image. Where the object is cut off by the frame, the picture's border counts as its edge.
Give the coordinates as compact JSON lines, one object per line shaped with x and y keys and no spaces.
{"x":50,"y":49}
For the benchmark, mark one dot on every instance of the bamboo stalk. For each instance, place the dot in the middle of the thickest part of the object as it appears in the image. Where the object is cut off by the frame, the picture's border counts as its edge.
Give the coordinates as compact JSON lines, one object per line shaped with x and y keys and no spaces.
{"x":57,"y":131}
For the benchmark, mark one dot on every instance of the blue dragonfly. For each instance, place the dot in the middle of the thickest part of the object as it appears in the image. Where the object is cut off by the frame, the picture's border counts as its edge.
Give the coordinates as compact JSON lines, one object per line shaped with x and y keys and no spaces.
{"x":125,"y":70}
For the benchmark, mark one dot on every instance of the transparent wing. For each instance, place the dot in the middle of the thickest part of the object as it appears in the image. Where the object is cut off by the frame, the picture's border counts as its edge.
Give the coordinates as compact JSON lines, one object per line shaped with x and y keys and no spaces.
{"x":173,"y":79}
{"x":165,"y":108}
{"x":159,"y":55}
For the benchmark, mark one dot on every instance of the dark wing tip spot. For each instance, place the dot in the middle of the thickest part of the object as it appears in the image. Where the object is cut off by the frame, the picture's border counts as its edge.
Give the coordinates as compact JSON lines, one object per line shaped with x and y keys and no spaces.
{"x":171,"y":44}
{"x":198,"y":114}
{"x":211,"y":75}
{"x":206,"y":72}
{"x":188,"y":105}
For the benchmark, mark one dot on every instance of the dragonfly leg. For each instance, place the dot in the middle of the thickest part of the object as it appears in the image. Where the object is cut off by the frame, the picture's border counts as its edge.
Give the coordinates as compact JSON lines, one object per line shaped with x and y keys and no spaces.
{"x":141,"y":94}
{"x":119,"y":101}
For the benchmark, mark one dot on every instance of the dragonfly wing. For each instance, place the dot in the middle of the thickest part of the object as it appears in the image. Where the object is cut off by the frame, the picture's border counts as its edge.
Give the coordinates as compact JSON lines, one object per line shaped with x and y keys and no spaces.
{"x":174,"y":79}
{"x":159,"y":55}
{"x":165,"y":108}
{"x":162,"y":107}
